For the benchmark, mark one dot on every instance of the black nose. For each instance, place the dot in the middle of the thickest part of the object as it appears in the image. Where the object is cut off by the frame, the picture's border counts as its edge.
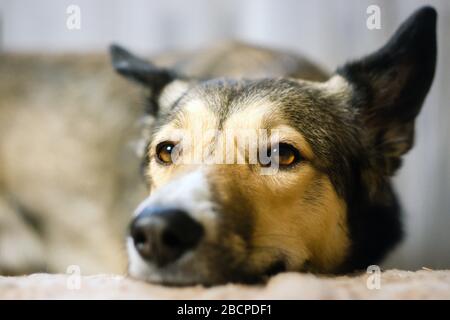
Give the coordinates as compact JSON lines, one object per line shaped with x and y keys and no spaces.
{"x":162,"y":235}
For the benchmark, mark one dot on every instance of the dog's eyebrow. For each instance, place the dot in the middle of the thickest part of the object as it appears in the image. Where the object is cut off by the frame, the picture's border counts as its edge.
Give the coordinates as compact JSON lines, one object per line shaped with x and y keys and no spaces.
{"x":177,"y":120}
{"x":270,"y":120}
{"x":193,"y":112}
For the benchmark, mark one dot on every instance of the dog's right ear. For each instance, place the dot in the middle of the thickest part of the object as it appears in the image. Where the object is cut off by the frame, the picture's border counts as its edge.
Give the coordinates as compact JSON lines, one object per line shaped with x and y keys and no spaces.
{"x":389,"y":87}
{"x":140,"y":70}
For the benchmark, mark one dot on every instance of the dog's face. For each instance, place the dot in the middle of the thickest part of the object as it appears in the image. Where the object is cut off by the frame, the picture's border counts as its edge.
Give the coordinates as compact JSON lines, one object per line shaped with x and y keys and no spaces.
{"x":220,"y":211}
{"x":252,"y":223}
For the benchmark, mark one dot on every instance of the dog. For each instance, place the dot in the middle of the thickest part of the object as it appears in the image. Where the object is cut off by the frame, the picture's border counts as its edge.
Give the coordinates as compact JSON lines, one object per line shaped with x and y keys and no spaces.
{"x":329,"y":206}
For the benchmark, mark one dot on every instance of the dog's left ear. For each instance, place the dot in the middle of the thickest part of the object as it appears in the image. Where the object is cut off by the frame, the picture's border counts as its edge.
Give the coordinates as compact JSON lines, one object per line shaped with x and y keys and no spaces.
{"x":139,"y":70}
{"x":389,"y":87}
{"x":148,"y":75}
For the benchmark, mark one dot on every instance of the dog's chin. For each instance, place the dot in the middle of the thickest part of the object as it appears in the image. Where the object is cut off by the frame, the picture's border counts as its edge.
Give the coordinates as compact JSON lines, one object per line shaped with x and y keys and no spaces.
{"x":193,"y":268}
{"x":189,"y":269}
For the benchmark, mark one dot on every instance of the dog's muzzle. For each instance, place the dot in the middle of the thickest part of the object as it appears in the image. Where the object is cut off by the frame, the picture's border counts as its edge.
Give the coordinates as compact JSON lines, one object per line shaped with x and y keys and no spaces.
{"x":161,"y":235}
{"x":173,"y":237}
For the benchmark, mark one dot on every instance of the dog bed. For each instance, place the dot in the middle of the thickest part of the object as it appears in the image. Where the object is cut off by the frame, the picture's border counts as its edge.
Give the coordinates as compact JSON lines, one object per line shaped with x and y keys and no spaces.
{"x":393,"y":284}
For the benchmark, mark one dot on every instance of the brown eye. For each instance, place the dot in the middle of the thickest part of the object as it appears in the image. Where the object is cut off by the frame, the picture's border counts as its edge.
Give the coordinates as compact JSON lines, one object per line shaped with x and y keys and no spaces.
{"x":164,"y":152}
{"x":284,"y":154}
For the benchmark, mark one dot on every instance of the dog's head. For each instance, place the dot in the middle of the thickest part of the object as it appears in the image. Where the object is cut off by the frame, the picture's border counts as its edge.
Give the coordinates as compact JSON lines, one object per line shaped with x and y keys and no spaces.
{"x":217,"y":211}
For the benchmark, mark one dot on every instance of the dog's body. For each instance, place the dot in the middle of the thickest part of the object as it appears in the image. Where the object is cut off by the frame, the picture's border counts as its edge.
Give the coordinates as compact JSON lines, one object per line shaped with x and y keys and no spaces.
{"x":66,"y":168}
{"x":328,"y":207}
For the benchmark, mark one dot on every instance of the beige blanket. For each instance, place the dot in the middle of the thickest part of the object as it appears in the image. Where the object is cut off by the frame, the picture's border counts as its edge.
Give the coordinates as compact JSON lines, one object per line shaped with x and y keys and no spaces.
{"x":393,"y":284}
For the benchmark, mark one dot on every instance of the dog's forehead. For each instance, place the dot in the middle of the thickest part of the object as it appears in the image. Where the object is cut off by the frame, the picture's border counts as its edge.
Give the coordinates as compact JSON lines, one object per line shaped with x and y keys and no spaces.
{"x":247,"y":103}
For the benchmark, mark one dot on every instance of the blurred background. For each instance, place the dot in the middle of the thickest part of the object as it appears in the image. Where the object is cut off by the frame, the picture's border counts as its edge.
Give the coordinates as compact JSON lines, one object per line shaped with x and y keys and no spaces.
{"x":329,"y":32}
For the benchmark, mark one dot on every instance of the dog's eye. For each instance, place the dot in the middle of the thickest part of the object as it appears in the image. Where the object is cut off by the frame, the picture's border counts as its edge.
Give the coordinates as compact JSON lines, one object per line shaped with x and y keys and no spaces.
{"x":164,"y":152}
{"x":284,"y":154}
{"x":287,"y":154}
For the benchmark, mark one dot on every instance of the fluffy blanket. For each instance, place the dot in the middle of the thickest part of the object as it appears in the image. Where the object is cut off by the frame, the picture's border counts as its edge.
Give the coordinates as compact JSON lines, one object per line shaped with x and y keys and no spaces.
{"x":392,"y":284}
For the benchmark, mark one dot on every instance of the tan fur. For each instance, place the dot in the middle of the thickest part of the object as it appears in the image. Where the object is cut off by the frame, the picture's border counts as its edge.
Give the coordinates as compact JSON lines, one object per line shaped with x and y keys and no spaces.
{"x":296,"y":214}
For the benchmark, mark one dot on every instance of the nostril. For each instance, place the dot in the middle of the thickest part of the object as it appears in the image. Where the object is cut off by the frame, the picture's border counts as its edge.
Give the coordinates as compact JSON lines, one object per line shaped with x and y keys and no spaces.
{"x":139,"y":238}
{"x":171,"y":239}
{"x":182,"y":232}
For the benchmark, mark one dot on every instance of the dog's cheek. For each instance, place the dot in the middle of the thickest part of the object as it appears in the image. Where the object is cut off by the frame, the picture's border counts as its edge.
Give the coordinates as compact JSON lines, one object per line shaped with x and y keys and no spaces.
{"x":302,"y":222}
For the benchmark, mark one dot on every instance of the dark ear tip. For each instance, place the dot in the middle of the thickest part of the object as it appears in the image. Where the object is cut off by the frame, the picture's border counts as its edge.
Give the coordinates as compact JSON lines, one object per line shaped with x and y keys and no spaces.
{"x":120,"y":59}
{"x":114,"y":48}
{"x":117,"y":51}
{"x":424,"y":17}
{"x":418,"y":32}
{"x":426,"y":13}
